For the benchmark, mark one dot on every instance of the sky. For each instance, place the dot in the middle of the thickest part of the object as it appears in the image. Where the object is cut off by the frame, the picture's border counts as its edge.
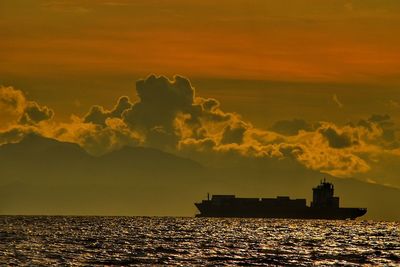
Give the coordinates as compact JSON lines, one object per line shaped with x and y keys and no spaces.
{"x":317,"y":81}
{"x":66,"y":53}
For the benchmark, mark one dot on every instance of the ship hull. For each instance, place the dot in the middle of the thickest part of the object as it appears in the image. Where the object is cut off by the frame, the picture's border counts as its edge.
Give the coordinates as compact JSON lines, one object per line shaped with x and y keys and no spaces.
{"x":286,"y":213}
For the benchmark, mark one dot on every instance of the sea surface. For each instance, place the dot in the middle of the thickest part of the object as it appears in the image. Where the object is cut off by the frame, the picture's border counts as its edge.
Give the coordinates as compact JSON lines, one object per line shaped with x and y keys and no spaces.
{"x":88,"y":241}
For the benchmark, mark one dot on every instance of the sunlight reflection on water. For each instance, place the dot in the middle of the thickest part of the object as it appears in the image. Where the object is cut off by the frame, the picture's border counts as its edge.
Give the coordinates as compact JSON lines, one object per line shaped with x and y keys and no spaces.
{"x":34,"y":240}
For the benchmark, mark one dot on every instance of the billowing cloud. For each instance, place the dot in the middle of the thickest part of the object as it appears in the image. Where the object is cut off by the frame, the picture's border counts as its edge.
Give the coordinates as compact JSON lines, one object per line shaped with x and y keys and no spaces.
{"x":19,"y":116}
{"x":335,"y":139}
{"x":169,"y":115}
{"x":161,"y":100}
{"x":97,"y":139}
{"x":384,"y":127}
{"x":234,"y":134}
{"x":33,"y":113}
{"x":99,"y":132}
{"x":168,"y":110}
{"x":341,"y":151}
{"x":98,"y":115}
{"x":14,"y":107}
{"x":11,"y":100}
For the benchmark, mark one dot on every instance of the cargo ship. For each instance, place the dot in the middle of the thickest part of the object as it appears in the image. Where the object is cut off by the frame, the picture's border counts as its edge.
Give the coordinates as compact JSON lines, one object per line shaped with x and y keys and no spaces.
{"x":323,"y":206}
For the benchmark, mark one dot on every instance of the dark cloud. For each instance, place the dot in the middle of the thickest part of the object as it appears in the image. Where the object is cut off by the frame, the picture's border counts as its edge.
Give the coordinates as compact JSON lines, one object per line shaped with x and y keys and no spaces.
{"x":387,"y":125}
{"x":160,"y":101}
{"x":210,"y":104}
{"x":291,"y":127}
{"x":335,"y":139}
{"x":98,"y":115}
{"x":233,"y":134}
{"x":168,"y":109}
{"x":122,"y":105}
{"x":290,"y":150}
{"x":33,"y":113}
{"x":363,"y":123}
{"x":15,"y":134}
{"x":389,"y":133}
{"x":379,"y":118}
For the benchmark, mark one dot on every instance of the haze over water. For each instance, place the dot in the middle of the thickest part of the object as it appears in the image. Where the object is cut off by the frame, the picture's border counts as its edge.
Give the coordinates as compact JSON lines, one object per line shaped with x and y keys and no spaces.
{"x":38,"y":240}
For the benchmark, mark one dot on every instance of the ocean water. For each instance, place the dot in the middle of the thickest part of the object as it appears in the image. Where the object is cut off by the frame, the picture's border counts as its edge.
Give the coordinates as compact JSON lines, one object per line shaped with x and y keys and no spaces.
{"x":41,"y":240}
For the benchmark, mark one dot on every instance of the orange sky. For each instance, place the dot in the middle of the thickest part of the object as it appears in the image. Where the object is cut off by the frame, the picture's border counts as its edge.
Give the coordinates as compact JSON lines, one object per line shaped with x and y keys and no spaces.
{"x":341,"y":41}
{"x":73,"y":54}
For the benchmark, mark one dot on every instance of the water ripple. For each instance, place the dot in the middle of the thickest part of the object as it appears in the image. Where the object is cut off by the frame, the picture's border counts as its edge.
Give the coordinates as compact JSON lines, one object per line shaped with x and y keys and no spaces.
{"x":82,"y":241}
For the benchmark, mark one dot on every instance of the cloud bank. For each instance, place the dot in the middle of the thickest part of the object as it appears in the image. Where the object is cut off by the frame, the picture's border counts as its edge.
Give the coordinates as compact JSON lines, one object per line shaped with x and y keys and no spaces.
{"x":170,"y":116}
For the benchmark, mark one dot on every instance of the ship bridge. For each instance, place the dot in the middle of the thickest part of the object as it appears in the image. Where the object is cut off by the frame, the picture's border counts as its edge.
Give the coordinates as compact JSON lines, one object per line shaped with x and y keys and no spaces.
{"x":323,"y":196}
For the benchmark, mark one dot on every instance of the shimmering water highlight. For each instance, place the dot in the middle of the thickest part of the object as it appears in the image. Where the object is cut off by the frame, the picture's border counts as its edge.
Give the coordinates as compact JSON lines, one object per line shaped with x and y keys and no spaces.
{"x":34,"y":240}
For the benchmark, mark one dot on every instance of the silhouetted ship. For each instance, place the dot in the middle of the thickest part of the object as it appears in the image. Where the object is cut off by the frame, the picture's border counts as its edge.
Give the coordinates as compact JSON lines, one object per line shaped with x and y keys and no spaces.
{"x":324,"y":206}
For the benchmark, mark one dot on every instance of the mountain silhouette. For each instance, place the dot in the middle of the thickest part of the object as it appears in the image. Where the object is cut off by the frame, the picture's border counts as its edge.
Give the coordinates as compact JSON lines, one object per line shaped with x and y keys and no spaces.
{"x":38,"y":158}
{"x":45,"y":176}
{"x":36,"y":145}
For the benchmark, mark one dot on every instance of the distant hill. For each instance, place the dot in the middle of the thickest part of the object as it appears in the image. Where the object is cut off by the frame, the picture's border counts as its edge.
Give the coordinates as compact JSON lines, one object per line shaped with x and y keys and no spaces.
{"x":38,"y":159}
{"x":45,"y":176}
{"x":34,"y":146}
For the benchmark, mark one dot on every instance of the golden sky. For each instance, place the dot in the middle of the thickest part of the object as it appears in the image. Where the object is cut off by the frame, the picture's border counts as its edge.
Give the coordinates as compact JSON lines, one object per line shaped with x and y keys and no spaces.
{"x":282,"y":58}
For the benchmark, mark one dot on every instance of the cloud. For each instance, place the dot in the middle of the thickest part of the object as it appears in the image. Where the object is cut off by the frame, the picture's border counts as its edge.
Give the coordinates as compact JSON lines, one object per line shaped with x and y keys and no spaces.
{"x":379,"y":118}
{"x":386,"y":124}
{"x":291,"y":127}
{"x":15,"y":134}
{"x":342,"y":164}
{"x":33,"y":113}
{"x":12,"y":105}
{"x":169,"y":115}
{"x":234,"y":134}
{"x":168,"y":109}
{"x":98,"y":115}
{"x":15,"y":108}
{"x":19,"y":116}
{"x":12,"y":100}
{"x":337,"y":101}
{"x":97,"y":139}
{"x":160,"y":101}
{"x":342,"y":151}
{"x":384,"y":128}
{"x":99,"y":132}
{"x":335,"y":139}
